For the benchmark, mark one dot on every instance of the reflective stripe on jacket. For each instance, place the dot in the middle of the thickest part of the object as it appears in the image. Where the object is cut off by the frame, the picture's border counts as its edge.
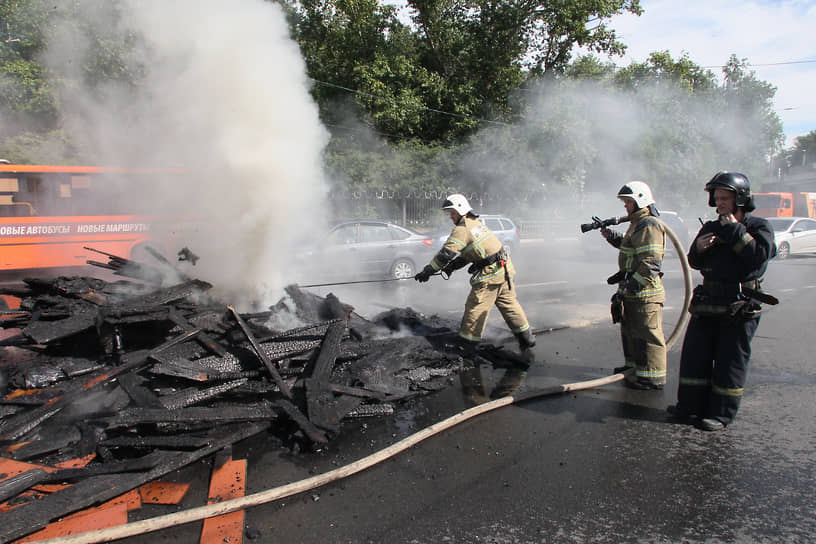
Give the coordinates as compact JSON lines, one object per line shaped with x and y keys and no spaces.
{"x":641,"y":258}
{"x":473,"y":241}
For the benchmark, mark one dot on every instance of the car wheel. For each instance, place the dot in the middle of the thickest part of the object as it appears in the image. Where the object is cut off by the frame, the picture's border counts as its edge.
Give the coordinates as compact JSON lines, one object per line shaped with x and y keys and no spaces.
{"x":783,"y":251}
{"x":403,"y":269}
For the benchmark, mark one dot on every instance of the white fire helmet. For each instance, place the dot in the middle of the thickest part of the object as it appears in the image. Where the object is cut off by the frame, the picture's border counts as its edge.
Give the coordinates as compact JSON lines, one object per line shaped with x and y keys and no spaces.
{"x":637,"y":191}
{"x":457,"y":202}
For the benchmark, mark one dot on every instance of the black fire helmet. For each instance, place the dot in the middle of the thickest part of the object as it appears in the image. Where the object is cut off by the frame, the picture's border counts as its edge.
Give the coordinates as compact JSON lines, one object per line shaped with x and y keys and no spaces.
{"x":732,"y":181}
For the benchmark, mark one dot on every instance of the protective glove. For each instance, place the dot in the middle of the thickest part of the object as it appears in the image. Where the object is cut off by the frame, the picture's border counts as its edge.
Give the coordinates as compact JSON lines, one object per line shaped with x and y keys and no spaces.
{"x":631,"y":286}
{"x":425,"y":275}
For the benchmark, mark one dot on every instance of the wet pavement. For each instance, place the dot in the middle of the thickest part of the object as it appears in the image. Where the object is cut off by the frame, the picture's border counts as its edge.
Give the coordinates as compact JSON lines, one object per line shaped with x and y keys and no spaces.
{"x":601,"y":465}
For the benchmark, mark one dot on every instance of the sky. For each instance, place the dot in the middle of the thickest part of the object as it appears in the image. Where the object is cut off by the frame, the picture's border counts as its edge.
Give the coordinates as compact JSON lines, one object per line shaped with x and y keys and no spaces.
{"x":775,"y":36}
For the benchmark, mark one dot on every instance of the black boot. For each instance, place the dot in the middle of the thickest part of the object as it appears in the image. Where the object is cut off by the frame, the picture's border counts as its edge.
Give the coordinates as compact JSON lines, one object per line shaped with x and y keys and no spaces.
{"x":526,"y":342}
{"x":466,"y":347}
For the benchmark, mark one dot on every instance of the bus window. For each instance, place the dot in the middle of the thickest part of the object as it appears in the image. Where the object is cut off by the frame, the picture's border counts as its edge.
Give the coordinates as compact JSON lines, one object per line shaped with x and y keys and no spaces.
{"x":9,"y":208}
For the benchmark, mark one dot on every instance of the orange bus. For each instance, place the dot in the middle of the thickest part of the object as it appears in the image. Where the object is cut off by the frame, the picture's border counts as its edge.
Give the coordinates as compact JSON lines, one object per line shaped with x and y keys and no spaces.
{"x":48,"y":214}
{"x":785,"y":204}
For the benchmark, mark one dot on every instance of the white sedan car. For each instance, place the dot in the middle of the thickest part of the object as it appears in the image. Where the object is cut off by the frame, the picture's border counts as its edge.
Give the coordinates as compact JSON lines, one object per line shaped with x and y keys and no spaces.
{"x":793,"y":235}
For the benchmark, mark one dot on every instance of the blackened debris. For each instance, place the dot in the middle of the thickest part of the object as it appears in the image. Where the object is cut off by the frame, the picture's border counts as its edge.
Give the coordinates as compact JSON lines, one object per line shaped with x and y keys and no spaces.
{"x":147,"y":379}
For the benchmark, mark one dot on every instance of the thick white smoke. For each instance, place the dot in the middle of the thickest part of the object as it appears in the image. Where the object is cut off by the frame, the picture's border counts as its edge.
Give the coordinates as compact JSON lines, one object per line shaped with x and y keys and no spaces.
{"x":223,"y":94}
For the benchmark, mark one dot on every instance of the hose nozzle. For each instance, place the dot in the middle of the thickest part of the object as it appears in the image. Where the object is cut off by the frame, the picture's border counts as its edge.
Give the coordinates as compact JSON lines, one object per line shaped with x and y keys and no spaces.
{"x":598,"y":223}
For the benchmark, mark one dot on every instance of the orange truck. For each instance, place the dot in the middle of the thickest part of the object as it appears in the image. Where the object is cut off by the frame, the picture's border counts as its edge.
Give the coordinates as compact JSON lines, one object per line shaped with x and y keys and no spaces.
{"x":784,"y":204}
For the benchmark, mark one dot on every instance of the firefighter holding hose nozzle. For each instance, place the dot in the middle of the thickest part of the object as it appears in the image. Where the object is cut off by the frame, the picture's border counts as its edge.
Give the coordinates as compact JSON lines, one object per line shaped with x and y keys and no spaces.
{"x":638,"y":303}
{"x":472,"y":243}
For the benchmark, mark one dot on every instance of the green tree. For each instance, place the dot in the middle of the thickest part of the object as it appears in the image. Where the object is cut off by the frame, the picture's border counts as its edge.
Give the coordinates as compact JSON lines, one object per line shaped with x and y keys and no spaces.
{"x":661,"y":68}
{"x":590,"y":67}
{"x":491,"y":44}
{"x":32,"y":92}
{"x":749,"y":102}
{"x":461,"y":57}
{"x":803,"y":151}
{"x":28,"y":99}
{"x":555,"y":28}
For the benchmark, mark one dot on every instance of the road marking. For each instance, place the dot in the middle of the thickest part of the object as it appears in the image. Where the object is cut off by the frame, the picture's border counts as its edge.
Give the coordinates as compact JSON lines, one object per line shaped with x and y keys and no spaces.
{"x":796,"y":289}
{"x":541,"y":284}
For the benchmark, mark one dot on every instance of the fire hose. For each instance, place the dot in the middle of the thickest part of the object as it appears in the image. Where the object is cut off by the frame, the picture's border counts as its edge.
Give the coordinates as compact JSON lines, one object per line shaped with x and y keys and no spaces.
{"x":269,"y":495}
{"x":352,"y":282}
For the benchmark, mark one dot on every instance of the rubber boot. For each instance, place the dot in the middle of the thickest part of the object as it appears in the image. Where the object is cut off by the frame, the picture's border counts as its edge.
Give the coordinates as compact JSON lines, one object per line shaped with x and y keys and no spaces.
{"x":526,"y":342}
{"x":467,"y":347}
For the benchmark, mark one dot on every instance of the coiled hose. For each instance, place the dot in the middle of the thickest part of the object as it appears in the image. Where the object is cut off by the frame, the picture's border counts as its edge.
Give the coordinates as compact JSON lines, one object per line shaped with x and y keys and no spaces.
{"x":269,"y":495}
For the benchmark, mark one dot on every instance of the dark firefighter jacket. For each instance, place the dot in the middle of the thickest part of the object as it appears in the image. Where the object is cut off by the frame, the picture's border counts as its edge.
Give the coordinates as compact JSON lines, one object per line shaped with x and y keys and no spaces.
{"x":471,"y":241}
{"x":738,"y":259}
{"x":740,"y":253}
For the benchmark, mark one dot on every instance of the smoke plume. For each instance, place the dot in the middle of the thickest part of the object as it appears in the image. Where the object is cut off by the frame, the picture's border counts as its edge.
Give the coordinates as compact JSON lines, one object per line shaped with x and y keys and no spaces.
{"x":221,"y":94}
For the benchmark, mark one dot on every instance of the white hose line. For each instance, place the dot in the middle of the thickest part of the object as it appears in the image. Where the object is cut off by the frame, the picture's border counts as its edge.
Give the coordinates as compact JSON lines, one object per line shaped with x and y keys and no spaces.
{"x":269,"y":495}
{"x":684,"y":315}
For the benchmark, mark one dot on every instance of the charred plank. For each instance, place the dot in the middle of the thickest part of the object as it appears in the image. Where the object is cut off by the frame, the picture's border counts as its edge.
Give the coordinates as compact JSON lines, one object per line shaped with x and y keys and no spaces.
{"x":182,"y":369}
{"x":174,"y":442}
{"x":32,"y":397}
{"x":326,"y":410}
{"x":205,"y":339}
{"x":194,"y":395}
{"x":132,"y":384}
{"x":355,"y":391}
{"x":55,"y":439}
{"x":307,"y":331}
{"x":195,"y":414}
{"x":372,"y":410}
{"x":270,"y":367}
{"x":11,"y":487}
{"x":19,"y":424}
{"x":329,"y":348}
{"x":194,"y":371}
{"x":155,"y":300}
{"x":139,"y":464}
{"x":30,"y":517}
{"x":310,"y":430}
{"x":43,"y":332}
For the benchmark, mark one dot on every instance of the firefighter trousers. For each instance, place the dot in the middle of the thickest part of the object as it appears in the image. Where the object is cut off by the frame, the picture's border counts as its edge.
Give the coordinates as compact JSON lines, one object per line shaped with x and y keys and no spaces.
{"x":714,"y":366}
{"x":644,"y":346}
{"x":482,"y":298}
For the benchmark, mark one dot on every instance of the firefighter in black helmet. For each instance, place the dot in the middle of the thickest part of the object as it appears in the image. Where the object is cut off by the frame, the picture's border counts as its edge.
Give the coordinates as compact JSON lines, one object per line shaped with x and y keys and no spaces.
{"x":732,"y":254}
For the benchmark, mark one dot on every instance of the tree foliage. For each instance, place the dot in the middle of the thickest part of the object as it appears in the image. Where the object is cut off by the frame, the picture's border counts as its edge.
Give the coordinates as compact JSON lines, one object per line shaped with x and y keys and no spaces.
{"x":32,"y":90}
{"x":480,"y":95}
{"x":463,"y":57}
{"x":27,"y":93}
{"x":669,"y":122}
{"x":804,"y":149}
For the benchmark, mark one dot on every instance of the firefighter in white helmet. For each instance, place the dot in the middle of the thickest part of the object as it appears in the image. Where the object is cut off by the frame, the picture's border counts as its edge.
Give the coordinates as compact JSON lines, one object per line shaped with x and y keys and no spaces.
{"x":638,"y":302}
{"x":471,"y":242}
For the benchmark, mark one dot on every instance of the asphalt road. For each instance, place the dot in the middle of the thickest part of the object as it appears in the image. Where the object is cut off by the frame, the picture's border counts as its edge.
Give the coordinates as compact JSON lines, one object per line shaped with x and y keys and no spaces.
{"x":602,"y":465}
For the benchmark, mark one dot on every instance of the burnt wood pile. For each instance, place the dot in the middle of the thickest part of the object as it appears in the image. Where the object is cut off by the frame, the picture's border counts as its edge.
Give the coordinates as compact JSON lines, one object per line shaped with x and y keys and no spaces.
{"x":141,"y":381}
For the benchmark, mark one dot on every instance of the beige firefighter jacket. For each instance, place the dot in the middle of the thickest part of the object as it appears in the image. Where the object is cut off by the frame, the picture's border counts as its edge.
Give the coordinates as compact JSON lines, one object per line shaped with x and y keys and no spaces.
{"x":471,"y":240}
{"x":641,"y":258}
